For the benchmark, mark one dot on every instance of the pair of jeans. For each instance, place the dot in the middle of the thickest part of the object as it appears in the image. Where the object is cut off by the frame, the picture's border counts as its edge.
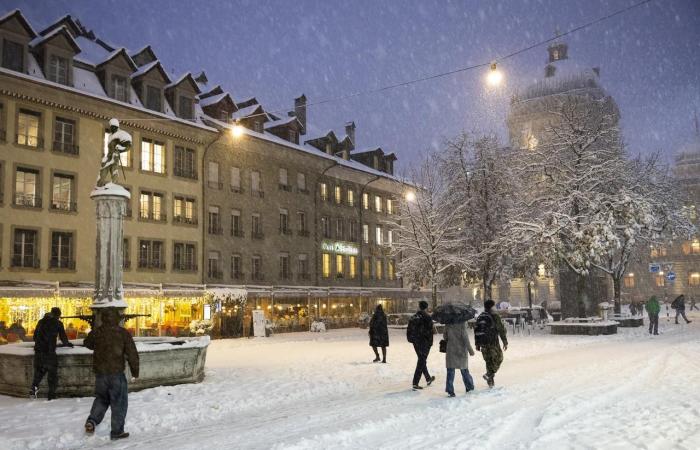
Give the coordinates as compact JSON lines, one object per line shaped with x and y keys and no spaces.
{"x":654,"y":323}
{"x":110,"y":392}
{"x":422,"y":352}
{"x":466,"y":378}
{"x":46,"y":363}
{"x":681,"y":312}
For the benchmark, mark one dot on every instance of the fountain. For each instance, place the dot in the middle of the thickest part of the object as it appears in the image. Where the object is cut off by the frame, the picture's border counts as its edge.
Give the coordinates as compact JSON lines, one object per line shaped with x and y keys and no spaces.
{"x":163,"y":361}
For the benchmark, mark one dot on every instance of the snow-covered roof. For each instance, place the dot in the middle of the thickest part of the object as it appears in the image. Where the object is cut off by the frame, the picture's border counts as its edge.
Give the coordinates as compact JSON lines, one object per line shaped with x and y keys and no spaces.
{"x":214,"y":99}
{"x":92,"y":53}
{"x":25,"y":23}
{"x":247,"y":111}
{"x":281,"y":122}
{"x":135,"y":104}
{"x":366,"y":150}
{"x":86,"y":80}
{"x":183,"y":77}
{"x":39,"y":40}
{"x":33,"y":68}
{"x":115,"y":53}
{"x":143,"y":70}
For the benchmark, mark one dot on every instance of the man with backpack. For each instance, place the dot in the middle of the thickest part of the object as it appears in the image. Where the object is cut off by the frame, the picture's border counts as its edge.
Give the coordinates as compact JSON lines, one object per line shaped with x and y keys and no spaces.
{"x":679,"y":305}
{"x":420,"y":333}
{"x":487,"y":330}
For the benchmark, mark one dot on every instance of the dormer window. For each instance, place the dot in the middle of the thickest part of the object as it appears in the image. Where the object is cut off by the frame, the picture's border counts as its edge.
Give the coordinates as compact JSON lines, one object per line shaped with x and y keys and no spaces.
{"x":292,"y":136}
{"x":224,"y":115}
{"x":119,"y":88}
{"x":58,"y":69}
{"x":258,"y":126}
{"x":153,"y":100}
{"x":185,"y":107}
{"x":12,"y":55}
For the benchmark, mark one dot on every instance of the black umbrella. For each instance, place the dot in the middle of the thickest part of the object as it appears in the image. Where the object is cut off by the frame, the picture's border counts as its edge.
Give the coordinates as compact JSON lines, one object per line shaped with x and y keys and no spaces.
{"x":453,"y":313}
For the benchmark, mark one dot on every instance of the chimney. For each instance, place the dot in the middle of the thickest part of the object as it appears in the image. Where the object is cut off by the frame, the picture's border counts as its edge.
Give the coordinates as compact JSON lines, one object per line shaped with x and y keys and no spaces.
{"x":350,"y":131}
{"x":300,"y":112}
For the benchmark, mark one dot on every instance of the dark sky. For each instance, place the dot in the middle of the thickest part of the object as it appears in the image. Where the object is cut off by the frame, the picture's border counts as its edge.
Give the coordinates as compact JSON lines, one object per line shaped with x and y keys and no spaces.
{"x":649,"y":57}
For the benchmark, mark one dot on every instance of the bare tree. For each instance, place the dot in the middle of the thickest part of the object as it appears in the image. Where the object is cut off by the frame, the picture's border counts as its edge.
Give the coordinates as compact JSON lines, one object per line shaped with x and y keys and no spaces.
{"x":426,"y":228}
{"x":481,"y":189}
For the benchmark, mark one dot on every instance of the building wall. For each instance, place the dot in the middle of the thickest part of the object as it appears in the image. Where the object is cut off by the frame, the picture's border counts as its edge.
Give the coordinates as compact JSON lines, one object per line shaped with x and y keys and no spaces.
{"x":90,"y":116}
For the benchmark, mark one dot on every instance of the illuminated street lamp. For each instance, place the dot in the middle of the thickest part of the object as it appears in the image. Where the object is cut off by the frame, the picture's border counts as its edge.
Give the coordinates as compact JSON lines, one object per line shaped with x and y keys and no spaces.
{"x":494,"y":76}
{"x":410,"y":196}
{"x":237,"y":130}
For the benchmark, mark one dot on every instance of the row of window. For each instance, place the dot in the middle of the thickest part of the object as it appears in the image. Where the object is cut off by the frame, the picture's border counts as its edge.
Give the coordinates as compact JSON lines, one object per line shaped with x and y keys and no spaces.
{"x":27,"y":184}
{"x":29,"y":132}
{"x":659,"y":279}
{"x":349,"y":199}
{"x":333,"y":266}
{"x":687,"y":248}
{"x":26,"y":251}
{"x":336,"y":229}
{"x":215,"y":180}
{"x":345,"y":266}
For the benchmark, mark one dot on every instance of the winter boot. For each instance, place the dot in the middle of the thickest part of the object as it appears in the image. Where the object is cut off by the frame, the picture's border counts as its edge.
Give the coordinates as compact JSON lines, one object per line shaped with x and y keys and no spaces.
{"x":376,"y":359}
{"x":121,"y":435}
{"x":430,"y":380}
{"x":34,"y":392}
{"x":417,"y":387}
{"x":89,"y":427}
{"x":452,"y":394}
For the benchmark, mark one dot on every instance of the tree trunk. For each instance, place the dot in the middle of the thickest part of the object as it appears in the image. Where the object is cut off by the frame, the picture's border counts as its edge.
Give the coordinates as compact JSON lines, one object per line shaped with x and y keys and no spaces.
{"x":488,"y":290}
{"x":616,"y":294}
{"x":434,"y":296}
{"x":529,"y":294}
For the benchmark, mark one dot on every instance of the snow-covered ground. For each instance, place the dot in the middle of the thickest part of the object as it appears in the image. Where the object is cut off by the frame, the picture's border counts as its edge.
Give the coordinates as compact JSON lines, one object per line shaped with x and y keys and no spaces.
{"x":318,"y":391}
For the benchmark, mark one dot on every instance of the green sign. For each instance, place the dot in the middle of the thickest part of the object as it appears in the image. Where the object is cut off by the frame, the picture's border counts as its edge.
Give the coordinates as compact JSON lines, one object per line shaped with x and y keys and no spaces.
{"x":339,"y":247}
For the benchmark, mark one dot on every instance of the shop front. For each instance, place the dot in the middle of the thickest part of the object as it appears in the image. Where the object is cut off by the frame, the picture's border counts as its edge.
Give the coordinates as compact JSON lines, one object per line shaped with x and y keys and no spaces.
{"x":160,"y":312}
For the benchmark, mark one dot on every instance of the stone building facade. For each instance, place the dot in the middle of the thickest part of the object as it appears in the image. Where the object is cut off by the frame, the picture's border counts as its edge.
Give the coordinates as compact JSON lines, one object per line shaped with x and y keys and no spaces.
{"x":223,"y":193}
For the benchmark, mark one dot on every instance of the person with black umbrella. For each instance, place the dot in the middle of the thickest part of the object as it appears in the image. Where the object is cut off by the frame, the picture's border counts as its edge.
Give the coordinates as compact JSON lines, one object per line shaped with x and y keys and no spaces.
{"x":379,"y":333}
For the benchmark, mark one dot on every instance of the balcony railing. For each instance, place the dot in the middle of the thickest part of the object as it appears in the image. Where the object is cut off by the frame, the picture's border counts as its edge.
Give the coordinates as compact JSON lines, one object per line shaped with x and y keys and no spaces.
{"x":215,"y":185}
{"x":285,"y":187}
{"x":29,"y":141}
{"x":151,"y":264}
{"x":237,"y":233}
{"x":185,"y":266}
{"x":55,"y":263}
{"x":260,"y":194}
{"x":25,"y":261}
{"x":28,"y":200}
{"x":258,"y":235}
{"x":303,"y":233}
{"x":215,"y":229}
{"x":66,"y":147}
{"x":215,"y":274}
{"x":160,"y":219}
{"x":60,"y":205}
{"x":185,"y":220}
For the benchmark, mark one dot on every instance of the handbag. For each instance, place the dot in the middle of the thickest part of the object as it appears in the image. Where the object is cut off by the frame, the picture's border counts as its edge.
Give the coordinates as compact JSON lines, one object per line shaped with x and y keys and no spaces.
{"x":443,"y":346}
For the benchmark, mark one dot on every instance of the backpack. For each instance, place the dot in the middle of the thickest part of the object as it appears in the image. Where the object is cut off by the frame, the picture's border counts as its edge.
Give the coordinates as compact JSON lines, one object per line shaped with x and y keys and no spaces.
{"x":485,"y":330}
{"x":676,"y":303}
{"x":413,"y":331}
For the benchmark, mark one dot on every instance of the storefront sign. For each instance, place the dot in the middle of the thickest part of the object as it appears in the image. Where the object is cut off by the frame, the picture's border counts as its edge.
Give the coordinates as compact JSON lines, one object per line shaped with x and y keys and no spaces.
{"x":341,"y":248}
{"x":654,"y":268}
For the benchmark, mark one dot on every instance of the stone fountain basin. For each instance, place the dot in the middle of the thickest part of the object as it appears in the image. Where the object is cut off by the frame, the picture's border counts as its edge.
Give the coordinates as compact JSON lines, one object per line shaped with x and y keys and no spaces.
{"x":164,"y":361}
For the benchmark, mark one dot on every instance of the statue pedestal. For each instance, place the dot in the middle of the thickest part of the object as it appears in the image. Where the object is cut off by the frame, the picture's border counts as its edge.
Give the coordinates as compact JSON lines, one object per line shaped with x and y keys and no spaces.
{"x":111,"y":202}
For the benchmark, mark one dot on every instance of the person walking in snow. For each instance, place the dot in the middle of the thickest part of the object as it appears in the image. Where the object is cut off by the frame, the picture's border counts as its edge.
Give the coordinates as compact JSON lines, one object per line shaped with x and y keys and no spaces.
{"x":458,"y":345}
{"x":420,"y":333}
{"x":679,"y":305}
{"x":653,"y":308}
{"x":111,"y":345}
{"x":692,"y":304}
{"x":488,"y":328}
{"x":378,"y":333}
{"x":45,"y":359}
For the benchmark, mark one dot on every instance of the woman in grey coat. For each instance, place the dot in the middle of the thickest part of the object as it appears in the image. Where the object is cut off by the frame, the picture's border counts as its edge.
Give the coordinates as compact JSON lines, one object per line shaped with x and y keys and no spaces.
{"x":458,"y":346}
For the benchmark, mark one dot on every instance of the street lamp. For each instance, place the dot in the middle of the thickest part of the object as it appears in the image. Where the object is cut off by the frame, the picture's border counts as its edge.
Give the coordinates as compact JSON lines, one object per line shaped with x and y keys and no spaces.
{"x":494,"y":76}
{"x":410,"y":196}
{"x":237,"y":130}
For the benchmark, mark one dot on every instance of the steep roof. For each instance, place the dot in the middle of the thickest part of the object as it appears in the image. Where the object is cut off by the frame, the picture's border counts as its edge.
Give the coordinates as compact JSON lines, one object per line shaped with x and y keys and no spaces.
{"x":120,"y":51}
{"x":66,"y":21}
{"x":59,"y":31}
{"x":17,"y":14}
{"x":185,"y":77}
{"x":146,"y":68}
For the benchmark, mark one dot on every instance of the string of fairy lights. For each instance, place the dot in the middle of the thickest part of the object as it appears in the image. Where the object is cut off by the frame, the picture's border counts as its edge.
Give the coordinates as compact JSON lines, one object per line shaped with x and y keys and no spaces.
{"x":494,"y":76}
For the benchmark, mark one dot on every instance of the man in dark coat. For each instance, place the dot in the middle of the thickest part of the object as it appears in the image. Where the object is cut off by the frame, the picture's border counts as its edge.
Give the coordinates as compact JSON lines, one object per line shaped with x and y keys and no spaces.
{"x":379,"y":333}
{"x":111,"y":345}
{"x":491,"y":351}
{"x":45,"y":359}
{"x":679,"y":305}
{"x":420,"y":333}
